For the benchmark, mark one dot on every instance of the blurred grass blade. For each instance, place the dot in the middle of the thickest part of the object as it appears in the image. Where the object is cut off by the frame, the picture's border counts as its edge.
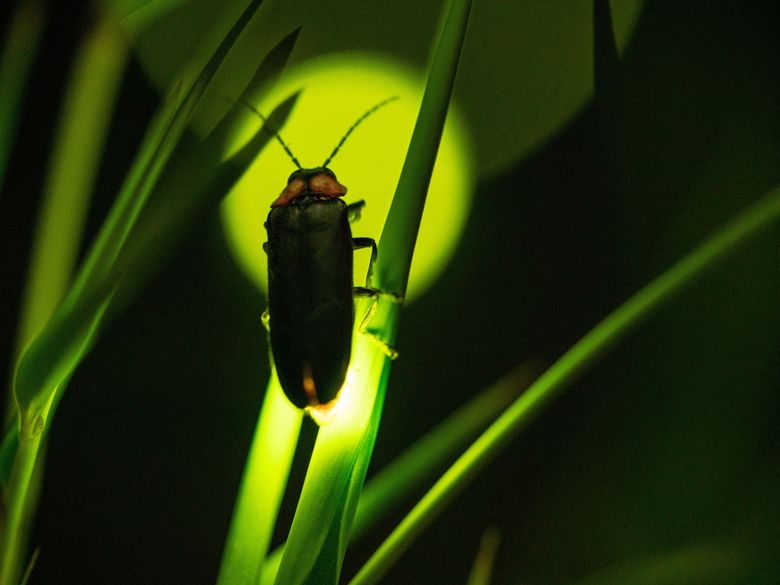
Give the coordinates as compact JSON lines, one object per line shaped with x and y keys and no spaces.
{"x":55,"y":353}
{"x":390,"y":486}
{"x":399,"y":234}
{"x":138,"y":14}
{"x":320,"y":532}
{"x":153,"y":157}
{"x":700,"y":563}
{"x":564,"y":372}
{"x":35,"y":379}
{"x":45,"y":367}
{"x":482,"y":570}
{"x":30,"y":567}
{"x":18,"y":55}
{"x":387,"y":490}
{"x":82,"y":129}
{"x":58,"y":349}
{"x":262,"y":488}
{"x":191,"y":188}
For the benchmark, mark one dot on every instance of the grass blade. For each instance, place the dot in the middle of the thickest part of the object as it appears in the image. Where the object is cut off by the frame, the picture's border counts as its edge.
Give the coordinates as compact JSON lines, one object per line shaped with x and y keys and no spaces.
{"x":36,"y":379}
{"x":606,"y":59}
{"x":482,"y":569}
{"x":75,"y":160}
{"x":262,"y":488}
{"x":339,"y":455}
{"x":320,"y":533}
{"x":388,"y":488}
{"x":45,"y":367}
{"x":153,"y":158}
{"x":399,"y":234}
{"x":564,"y":372}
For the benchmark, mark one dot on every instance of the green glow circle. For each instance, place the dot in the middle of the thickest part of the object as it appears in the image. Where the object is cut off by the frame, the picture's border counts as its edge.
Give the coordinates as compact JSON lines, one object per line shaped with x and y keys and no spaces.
{"x":337,"y":89}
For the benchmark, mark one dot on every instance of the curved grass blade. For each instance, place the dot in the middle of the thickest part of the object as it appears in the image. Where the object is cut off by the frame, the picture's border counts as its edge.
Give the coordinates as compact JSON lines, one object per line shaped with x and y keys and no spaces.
{"x":153,"y":157}
{"x":564,"y":372}
{"x":52,"y":357}
{"x":82,"y":129}
{"x":337,"y":467}
{"x":44,"y":369}
{"x":99,"y":277}
{"x":418,"y":464}
{"x":320,"y":532}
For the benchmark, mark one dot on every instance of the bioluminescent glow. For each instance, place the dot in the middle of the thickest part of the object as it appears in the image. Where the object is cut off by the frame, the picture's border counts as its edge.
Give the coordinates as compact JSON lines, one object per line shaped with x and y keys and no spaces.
{"x":337,"y":89}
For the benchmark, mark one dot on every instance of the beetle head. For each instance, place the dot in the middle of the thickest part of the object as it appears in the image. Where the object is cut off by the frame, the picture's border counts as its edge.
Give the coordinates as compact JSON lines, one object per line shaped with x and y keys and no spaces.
{"x":318,"y":182}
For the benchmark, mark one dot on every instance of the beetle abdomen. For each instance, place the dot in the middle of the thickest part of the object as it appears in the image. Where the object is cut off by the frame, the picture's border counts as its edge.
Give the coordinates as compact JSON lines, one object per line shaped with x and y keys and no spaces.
{"x":310,"y":297}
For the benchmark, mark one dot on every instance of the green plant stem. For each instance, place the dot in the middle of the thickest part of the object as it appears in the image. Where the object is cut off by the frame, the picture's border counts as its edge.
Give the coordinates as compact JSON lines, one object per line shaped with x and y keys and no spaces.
{"x":563,"y":373}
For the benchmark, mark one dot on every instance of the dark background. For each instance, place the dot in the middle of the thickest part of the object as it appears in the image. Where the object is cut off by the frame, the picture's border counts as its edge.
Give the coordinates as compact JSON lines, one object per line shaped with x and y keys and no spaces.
{"x":672,"y":441}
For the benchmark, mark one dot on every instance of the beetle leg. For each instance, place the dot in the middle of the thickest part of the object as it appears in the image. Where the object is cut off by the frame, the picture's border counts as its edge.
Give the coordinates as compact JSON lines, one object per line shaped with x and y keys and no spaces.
{"x":357,"y":244}
{"x":362,"y":291}
{"x":265,"y":247}
{"x":266,"y":320}
{"x":354,"y":210}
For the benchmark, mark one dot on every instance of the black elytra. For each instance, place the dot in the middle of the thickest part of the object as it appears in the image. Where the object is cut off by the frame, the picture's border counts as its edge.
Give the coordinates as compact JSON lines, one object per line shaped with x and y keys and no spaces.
{"x":310,"y":305}
{"x":311,"y":310}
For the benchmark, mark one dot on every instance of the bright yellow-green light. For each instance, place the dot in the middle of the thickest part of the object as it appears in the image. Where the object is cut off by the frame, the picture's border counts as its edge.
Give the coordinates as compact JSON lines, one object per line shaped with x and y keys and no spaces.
{"x":337,"y":89}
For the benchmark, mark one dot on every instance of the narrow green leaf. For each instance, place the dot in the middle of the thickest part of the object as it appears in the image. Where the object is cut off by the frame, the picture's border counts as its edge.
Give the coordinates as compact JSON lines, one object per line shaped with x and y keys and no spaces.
{"x":399,"y":235}
{"x":319,"y":534}
{"x":153,"y":157}
{"x":45,"y":367}
{"x":390,"y":486}
{"x":336,"y":468}
{"x":75,"y":159}
{"x":262,"y":488}
{"x":564,"y":372}
{"x":30,"y":567}
{"x":387,"y":490}
{"x":482,"y":569}
{"x":51,"y":357}
{"x":57,"y":350}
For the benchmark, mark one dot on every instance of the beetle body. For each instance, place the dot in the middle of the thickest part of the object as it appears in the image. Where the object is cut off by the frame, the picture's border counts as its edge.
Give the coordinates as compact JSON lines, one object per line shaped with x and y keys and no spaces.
{"x":310,"y":287}
{"x":310,"y":283}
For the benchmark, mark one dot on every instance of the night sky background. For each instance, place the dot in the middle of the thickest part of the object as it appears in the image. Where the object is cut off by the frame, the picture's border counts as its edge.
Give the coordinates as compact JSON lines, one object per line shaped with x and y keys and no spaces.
{"x":671,"y":442}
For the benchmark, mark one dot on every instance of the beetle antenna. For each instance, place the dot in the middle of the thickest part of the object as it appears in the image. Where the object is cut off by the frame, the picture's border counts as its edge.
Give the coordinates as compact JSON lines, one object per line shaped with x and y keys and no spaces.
{"x":355,"y":125}
{"x":272,"y":130}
